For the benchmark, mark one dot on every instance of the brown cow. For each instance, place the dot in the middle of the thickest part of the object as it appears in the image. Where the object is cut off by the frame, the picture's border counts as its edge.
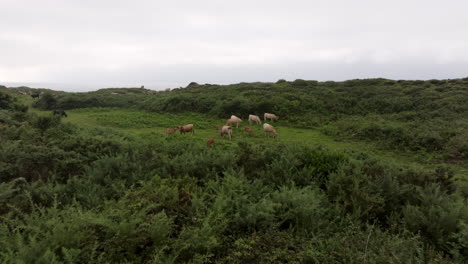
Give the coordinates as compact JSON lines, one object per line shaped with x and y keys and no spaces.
{"x":170,"y":131}
{"x":186,"y":129}
{"x":218,"y":127}
{"x":211,"y":142}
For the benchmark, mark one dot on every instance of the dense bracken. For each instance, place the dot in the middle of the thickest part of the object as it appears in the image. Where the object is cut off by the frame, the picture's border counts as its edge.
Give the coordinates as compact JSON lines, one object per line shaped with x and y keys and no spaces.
{"x":81,"y":195}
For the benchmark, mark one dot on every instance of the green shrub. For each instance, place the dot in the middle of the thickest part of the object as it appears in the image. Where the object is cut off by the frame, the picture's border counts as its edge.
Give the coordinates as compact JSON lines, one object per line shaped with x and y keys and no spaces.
{"x":46,"y":102}
{"x":299,"y":83}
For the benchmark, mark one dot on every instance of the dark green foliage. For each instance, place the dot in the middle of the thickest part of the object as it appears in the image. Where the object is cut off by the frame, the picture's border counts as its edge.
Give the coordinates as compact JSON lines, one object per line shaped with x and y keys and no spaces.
{"x":299,"y":83}
{"x":47,"y":102}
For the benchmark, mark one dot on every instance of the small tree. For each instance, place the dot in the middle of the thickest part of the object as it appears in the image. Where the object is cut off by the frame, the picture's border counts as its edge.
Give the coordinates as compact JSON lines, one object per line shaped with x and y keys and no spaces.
{"x":299,"y":83}
{"x":46,"y":102}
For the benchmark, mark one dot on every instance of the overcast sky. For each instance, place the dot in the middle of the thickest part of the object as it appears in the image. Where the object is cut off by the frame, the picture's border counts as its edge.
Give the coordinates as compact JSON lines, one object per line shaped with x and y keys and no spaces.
{"x":90,"y":44}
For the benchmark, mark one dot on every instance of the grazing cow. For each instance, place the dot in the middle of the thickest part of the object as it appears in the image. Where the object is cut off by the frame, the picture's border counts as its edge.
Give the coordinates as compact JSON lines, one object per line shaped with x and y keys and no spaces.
{"x":186,"y":128}
{"x":59,"y":112}
{"x":248,"y":130}
{"x":211,"y":142}
{"x":22,"y":93}
{"x":269,"y":130}
{"x":34,"y":96}
{"x":232,"y":121}
{"x":170,"y":131}
{"x":226,"y":130}
{"x":235,"y":120}
{"x":270,"y":116}
{"x":256,"y":119}
{"x":218,"y":127}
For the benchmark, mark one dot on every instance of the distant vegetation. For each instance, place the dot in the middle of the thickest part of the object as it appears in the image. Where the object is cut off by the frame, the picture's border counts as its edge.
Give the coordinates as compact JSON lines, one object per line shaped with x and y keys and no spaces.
{"x":76,"y":194}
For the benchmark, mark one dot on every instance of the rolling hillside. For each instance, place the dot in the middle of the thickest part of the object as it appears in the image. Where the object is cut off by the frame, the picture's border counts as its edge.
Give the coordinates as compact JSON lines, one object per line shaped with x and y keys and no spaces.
{"x":362,"y":171}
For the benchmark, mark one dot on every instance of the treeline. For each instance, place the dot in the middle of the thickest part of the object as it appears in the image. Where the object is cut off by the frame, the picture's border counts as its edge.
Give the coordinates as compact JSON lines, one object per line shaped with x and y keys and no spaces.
{"x":429,"y":116}
{"x":75,"y":195}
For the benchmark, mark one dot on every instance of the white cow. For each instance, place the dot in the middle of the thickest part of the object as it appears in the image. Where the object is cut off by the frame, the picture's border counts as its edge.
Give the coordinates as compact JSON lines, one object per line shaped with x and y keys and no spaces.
{"x":226,"y":130}
{"x":236,"y":118}
{"x":269,"y":130}
{"x":233,"y":120}
{"x":270,"y":116}
{"x":256,"y":119}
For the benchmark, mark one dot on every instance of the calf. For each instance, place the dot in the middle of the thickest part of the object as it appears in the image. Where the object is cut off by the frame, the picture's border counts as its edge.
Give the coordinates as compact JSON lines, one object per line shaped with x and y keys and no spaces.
{"x":170,"y":131}
{"x":248,"y":130}
{"x":211,"y":142}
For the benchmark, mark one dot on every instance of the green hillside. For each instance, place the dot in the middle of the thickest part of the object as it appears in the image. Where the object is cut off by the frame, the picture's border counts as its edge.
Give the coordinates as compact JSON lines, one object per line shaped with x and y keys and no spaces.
{"x":363,"y":171}
{"x":422,"y":116}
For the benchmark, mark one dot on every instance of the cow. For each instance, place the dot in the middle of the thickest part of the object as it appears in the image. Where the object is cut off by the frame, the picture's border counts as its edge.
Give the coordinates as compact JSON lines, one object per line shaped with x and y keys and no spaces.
{"x":218,"y":127}
{"x":248,"y":130}
{"x":256,"y":119}
{"x":269,"y":130}
{"x":211,"y":142}
{"x":59,"y":112}
{"x":270,"y":116}
{"x":234,"y":120}
{"x":170,"y":131}
{"x":226,"y":130}
{"x":186,"y":128}
{"x":35,"y":95}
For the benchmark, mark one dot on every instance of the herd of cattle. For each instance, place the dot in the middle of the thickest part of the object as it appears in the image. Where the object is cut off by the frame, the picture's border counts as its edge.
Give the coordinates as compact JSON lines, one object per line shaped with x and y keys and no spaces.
{"x":227,"y":129}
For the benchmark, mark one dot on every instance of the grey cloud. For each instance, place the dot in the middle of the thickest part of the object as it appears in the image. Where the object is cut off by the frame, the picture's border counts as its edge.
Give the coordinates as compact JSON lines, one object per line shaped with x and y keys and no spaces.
{"x":92,"y":44}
